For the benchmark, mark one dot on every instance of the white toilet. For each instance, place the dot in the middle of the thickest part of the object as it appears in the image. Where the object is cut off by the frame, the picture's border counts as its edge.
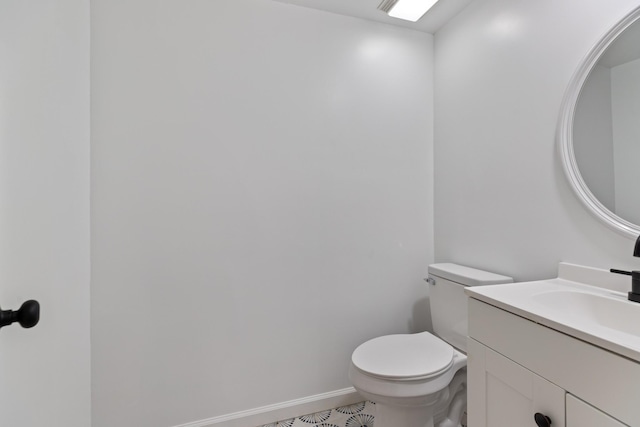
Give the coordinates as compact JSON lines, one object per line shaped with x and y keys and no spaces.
{"x":419,"y":380}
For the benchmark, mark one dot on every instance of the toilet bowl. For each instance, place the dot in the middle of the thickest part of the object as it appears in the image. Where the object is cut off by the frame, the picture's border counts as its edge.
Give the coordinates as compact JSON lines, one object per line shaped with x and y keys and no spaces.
{"x":419,"y":380}
{"x":409,"y":377}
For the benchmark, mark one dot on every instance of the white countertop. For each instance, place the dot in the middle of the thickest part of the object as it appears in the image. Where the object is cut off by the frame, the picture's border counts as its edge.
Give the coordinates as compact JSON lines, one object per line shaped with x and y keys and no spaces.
{"x":586,"y":303}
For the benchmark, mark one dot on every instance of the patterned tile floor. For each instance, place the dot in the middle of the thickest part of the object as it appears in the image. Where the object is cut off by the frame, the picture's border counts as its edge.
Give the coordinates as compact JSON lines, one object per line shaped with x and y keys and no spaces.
{"x":356,"y":415}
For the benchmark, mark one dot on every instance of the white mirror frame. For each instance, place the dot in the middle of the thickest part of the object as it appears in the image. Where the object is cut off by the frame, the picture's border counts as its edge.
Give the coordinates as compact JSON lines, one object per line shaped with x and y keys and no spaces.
{"x":565,"y":132}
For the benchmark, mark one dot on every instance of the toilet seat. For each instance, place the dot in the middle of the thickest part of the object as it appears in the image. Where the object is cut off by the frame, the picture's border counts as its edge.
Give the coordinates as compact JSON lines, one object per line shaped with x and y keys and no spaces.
{"x":404,"y":357}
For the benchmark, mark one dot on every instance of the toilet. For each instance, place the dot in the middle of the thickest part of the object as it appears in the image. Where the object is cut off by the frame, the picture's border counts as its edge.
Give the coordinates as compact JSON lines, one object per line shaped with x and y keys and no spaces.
{"x":419,"y":380}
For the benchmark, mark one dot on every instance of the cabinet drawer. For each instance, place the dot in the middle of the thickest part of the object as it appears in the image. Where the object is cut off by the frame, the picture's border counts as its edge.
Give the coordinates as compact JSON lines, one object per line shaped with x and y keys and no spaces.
{"x":580,"y":414}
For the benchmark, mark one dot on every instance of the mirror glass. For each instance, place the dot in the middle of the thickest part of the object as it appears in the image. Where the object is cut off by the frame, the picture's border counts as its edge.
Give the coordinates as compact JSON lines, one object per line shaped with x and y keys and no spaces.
{"x":606,"y":127}
{"x":599,"y":130}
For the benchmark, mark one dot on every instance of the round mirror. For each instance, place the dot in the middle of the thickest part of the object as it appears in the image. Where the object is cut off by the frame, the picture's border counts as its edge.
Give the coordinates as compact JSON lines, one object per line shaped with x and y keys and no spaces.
{"x":599,"y":128}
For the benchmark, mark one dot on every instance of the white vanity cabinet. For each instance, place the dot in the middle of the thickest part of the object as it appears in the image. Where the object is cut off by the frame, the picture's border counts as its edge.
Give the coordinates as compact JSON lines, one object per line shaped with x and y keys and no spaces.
{"x":507,"y":394}
{"x":518,"y":367}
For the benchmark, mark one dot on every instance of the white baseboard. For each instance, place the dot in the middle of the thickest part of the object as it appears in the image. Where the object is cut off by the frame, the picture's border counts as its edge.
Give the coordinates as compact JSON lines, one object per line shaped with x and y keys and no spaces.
{"x":282,"y":411}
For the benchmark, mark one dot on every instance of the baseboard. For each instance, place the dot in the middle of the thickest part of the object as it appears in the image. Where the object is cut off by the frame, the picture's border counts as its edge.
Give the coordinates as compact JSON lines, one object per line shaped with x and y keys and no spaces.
{"x":282,"y":411}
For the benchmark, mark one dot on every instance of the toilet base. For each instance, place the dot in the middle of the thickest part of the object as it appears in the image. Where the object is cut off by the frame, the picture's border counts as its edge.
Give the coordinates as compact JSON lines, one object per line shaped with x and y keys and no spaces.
{"x":444,"y":408}
{"x":405,"y":416}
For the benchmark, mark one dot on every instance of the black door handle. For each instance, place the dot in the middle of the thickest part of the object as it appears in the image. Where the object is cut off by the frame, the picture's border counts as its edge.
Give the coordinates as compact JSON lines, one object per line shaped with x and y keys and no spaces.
{"x":542,"y":420}
{"x":27,"y":315}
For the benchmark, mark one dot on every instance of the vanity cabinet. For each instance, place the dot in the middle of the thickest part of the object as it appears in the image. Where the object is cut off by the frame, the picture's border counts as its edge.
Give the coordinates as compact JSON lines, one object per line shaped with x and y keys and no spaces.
{"x":517,"y":368}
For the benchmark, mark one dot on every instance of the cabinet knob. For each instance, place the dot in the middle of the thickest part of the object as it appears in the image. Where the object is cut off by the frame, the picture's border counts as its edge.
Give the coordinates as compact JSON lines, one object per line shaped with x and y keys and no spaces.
{"x":28,"y":315}
{"x":542,"y":420}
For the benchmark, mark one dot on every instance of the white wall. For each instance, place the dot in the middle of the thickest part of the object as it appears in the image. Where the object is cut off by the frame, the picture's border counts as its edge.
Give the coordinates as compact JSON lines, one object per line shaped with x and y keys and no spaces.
{"x":593,"y":136}
{"x":625,"y":92}
{"x":261,"y":202}
{"x":501,"y":199}
{"x":44,"y":211}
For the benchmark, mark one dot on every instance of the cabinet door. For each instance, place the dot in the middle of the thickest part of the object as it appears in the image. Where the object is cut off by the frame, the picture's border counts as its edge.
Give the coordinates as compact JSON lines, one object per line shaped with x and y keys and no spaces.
{"x":502,"y":393}
{"x":580,"y":414}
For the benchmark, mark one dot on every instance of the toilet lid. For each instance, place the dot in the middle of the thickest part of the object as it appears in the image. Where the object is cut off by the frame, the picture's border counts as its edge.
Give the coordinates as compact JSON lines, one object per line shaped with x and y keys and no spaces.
{"x":404,"y":356}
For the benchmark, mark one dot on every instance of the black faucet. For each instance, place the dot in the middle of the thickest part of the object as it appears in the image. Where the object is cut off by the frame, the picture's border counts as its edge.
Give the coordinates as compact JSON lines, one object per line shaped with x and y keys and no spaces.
{"x":634,"y":295}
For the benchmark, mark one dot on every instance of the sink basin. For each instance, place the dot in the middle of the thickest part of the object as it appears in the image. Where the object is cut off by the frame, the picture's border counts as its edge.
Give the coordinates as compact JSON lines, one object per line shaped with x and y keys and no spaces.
{"x":609,"y":311}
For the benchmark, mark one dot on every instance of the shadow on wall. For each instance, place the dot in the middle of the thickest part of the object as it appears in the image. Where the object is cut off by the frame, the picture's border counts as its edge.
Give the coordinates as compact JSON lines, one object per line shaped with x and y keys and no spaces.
{"x":421,"y":319}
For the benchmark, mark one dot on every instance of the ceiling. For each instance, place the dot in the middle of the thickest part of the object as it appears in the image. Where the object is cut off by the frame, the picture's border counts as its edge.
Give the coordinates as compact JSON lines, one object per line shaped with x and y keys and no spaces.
{"x":431,"y":22}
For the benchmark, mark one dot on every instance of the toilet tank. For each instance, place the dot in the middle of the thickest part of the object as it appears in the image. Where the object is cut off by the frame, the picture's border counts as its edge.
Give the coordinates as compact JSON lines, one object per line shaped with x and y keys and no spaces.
{"x":448,"y":301}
